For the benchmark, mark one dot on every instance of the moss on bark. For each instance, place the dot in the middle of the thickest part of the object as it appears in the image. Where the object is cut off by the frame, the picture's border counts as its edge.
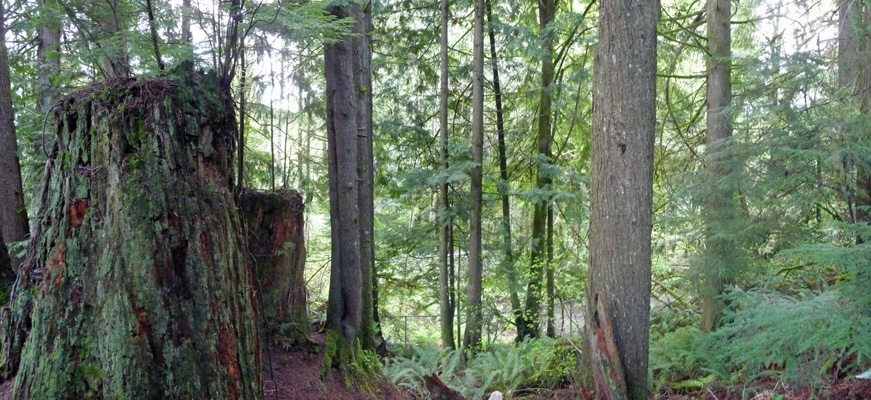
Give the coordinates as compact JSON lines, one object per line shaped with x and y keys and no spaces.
{"x":137,"y":284}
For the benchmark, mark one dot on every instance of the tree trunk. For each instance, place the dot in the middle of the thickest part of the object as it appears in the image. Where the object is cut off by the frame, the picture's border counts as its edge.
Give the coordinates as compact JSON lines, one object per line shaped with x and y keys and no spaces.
{"x":472,"y":339}
{"x":503,"y":186}
{"x":48,"y":53}
{"x":14,"y":214}
{"x":720,"y":260}
{"x":275,"y":229}
{"x":243,"y":103}
{"x":186,"y":36}
{"x":551,"y":285}
{"x":7,"y":273}
{"x":446,"y":310}
{"x":350,"y":297}
{"x":854,"y":74}
{"x":622,"y":181}
{"x":366,"y":177}
{"x":137,"y":284}
{"x":543,"y":180}
{"x":116,"y":63}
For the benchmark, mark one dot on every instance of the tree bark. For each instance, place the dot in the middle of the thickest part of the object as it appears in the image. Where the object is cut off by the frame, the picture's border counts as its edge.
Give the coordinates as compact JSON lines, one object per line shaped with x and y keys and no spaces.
{"x":137,"y":284}
{"x":472,"y":339}
{"x":275,"y":230}
{"x":116,"y":58}
{"x":14,"y":214}
{"x":624,"y":94}
{"x":350,"y":304}
{"x":7,"y":272}
{"x":720,"y":260}
{"x":48,"y":53}
{"x":366,"y":177}
{"x":551,"y":285}
{"x":186,"y":36}
{"x":854,"y":75}
{"x":543,"y":179}
{"x":446,"y":310}
{"x":243,"y":104}
{"x":504,"y":186}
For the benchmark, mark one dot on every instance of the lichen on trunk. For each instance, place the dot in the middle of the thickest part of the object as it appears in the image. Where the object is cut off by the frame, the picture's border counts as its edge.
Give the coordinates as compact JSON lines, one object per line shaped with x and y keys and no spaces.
{"x":137,"y":284}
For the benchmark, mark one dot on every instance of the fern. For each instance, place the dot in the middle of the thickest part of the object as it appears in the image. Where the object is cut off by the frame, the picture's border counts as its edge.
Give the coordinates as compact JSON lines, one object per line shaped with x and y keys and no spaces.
{"x":802,"y":339}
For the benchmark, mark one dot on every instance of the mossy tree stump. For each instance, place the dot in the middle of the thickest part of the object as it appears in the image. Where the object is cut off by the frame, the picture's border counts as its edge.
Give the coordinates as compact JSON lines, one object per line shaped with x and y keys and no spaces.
{"x":275,"y":228}
{"x":137,"y":284}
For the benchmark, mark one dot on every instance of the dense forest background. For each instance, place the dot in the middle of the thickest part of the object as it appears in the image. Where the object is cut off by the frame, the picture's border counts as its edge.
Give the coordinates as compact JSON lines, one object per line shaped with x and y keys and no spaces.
{"x":761,"y":265}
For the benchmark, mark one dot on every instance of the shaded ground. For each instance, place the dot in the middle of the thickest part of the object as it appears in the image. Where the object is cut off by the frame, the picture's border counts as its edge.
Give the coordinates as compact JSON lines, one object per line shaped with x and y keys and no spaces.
{"x":295,"y":374}
{"x":774,"y":390}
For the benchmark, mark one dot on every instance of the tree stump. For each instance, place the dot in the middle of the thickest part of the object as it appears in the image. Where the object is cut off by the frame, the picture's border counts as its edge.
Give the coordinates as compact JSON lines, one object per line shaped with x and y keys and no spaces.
{"x":137,"y":284}
{"x":275,"y":228}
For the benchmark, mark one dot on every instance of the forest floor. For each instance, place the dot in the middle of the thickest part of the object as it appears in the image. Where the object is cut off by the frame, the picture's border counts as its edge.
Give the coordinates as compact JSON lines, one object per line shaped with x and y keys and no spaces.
{"x":774,"y":390}
{"x":295,"y":373}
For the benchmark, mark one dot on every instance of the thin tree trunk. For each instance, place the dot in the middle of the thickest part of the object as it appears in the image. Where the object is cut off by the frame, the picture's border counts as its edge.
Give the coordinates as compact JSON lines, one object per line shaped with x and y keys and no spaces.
{"x":186,"y":37}
{"x":14,"y":214}
{"x":504,"y":186}
{"x":472,"y":340}
{"x":551,"y":285}
{"x":366,"y":177}
{"x":240,"y":169}
{"x":544,"y":140}
{"x":721,"y":258}
{"x":624,"y":78}
{"x":167,"y":312}
{"x":854,"y":74}
{"x":48,"y":53}
{"x":155,"y":38}
{"x":444,"y":220}
{"x":454,"y":283}
{"x":116,"y":58}
{"x":272,"y":144}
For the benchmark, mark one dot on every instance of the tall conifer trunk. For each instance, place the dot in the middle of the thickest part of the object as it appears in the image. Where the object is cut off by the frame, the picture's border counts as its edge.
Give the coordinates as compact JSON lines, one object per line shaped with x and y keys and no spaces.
{"x":15,"y":226}
{"x":618,"y":289}
{"x":446,"y":309}
{"x":503,"y":185}
{"x":854,"y":75}
{"x":137,"y":283}
{"x":472,"y":339}
{"x":48,"y":52}
{"x":720,"y":258}
{"x":543,"y":180}
{"x":350,"y":309}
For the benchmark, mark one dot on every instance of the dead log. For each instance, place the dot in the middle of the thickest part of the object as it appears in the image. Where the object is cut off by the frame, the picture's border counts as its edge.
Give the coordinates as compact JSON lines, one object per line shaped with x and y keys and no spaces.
{"x":438,"y":390}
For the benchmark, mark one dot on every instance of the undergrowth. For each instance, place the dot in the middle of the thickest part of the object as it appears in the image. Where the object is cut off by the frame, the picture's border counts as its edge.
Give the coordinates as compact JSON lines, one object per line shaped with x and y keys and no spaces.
{"x":539,"y":363}
{"x":804,"y":339}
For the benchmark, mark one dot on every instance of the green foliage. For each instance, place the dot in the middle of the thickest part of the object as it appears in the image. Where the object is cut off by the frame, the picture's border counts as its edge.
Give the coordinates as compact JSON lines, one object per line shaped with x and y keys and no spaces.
{"x":533,"y":363}
{"x":802,"y":340}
